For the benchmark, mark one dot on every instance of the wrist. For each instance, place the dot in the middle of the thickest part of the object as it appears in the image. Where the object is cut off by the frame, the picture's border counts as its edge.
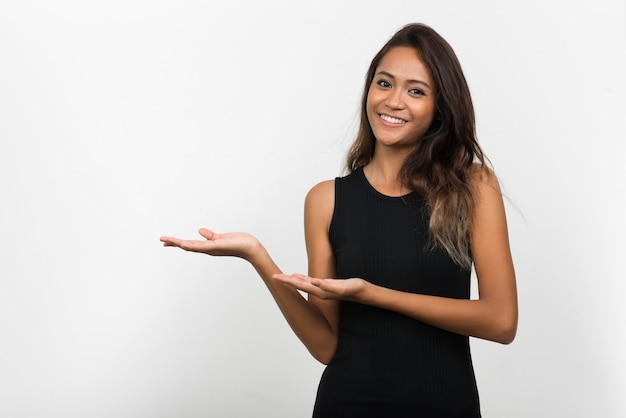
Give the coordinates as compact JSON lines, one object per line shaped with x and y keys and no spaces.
{"x":363,"y":295}
{"x":359,"y":293}
{"x":256,"y":253}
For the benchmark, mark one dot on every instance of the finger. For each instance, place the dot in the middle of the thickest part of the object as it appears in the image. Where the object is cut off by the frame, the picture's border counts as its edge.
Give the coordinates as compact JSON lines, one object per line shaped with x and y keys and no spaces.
{"x":322,"y":283}
{"x":293,"y":280}
{"x":328,"y":285}
{"x":304,"y":283}
{"x":170,"y":241}
{"x":207,"y":233}
{"x":294,"y":276}
{"x":312,"y":281}
{"x":287,"y":278}
{"x":196,"y":246}
{"x":301,"y":276}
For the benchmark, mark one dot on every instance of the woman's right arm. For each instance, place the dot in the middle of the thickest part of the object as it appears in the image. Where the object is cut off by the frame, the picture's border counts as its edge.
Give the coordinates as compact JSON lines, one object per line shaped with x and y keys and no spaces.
{"x":314,"y":321}
{"x":318,"y":211}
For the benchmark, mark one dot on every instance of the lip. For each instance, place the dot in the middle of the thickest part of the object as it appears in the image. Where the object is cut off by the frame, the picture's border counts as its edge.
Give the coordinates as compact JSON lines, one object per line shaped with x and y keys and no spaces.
{"x":392,"y":121}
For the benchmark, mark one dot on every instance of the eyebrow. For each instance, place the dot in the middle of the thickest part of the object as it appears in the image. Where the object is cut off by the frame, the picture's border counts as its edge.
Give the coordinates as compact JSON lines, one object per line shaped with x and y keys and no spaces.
{"x":385,"y":73}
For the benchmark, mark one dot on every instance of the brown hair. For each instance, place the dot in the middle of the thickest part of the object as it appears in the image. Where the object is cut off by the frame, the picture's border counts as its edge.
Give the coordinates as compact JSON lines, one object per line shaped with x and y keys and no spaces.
{"x":442,"y":166}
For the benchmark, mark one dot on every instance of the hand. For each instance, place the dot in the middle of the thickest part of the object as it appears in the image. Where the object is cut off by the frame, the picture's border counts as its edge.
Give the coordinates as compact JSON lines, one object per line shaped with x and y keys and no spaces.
{"x":334,"y":289}
{"x":234,"y":244}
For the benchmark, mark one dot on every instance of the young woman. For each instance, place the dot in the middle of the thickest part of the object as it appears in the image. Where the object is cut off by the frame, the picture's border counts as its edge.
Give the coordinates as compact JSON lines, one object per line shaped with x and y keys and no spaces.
{"x":391,"y":246}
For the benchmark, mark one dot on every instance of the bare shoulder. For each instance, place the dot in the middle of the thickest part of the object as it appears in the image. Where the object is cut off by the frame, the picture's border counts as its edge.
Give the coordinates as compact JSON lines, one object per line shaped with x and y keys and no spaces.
{"x":320,"y":200}
{"x":489,"y":212}
{"x":322,"y":191}
{"x":485,"y":181}
{"x":318,"y":212}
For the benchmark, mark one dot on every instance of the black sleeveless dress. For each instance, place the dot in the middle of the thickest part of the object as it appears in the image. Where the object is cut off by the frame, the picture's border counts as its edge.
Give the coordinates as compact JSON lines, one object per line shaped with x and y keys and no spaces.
{"x":388,"y":365}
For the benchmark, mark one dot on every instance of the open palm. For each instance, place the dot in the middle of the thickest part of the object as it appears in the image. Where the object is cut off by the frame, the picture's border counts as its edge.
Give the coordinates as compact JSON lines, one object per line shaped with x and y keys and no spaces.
{"x":234,"y":244}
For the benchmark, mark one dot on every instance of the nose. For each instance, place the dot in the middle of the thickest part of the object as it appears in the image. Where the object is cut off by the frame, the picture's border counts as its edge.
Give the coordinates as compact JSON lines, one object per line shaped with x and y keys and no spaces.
{"x":395,"y":99}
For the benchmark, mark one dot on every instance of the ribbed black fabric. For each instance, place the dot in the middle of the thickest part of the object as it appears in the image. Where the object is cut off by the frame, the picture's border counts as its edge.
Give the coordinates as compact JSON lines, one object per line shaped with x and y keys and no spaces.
{"x":388,"y":365}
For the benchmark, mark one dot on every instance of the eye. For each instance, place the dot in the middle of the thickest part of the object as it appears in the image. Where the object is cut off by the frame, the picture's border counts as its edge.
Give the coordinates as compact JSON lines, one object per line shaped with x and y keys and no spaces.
{"x":384,"y":83}
{"x":417,"y":92}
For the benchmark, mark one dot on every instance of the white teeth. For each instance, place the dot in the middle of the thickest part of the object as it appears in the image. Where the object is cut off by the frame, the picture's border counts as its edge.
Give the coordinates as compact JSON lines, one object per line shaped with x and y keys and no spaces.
{"x":391,"y":120}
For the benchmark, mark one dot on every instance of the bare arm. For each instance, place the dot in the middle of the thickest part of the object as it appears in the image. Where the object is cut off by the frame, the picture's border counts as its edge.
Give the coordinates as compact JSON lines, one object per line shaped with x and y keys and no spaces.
{"x":309,"y":319}
{"x":318,"y":211}
{"x":493,"y":316}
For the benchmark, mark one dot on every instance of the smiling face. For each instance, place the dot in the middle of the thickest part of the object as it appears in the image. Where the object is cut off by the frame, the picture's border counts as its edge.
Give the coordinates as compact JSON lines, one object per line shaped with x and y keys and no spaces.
{"x":401,"y":99}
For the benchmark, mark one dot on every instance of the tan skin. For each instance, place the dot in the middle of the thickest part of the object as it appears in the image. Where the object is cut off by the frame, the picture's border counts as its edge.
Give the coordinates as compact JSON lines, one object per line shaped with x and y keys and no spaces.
{"x":400,"y":108}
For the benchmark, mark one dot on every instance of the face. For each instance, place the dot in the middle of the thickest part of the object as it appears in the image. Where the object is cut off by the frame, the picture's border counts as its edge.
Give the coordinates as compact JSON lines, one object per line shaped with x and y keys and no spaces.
{"x":401,"y":99}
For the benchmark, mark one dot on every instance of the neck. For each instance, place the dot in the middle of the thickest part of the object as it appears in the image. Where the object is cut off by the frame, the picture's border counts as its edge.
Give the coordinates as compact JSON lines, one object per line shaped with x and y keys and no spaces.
{"x":382,"y":172}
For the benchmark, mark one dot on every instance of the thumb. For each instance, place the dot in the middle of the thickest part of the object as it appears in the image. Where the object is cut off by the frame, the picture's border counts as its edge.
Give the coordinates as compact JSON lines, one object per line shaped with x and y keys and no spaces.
{"x":207,"y":233}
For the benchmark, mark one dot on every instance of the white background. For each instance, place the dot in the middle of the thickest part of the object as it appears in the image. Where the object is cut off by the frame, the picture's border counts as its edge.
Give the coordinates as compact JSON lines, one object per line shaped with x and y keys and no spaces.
{"x":121,"y":121}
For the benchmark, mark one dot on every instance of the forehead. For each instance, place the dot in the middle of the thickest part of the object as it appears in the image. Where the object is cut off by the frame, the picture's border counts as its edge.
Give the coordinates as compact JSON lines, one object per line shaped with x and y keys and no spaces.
{"x":405,"y":63}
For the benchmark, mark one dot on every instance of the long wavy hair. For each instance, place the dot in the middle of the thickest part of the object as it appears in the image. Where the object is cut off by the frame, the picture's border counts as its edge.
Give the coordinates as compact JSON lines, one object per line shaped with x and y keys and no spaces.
{"x":445,"y":161}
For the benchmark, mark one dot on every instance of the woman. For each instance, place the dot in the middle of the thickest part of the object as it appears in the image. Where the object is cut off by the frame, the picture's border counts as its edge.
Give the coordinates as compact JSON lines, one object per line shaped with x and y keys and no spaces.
{"x":391,"y":245}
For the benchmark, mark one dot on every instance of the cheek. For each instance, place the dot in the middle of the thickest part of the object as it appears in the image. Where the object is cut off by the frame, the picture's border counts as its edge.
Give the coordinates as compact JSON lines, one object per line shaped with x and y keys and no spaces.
{"x":374,"y":98}
{"x":428,"y":114}
{"x":431,"y":118}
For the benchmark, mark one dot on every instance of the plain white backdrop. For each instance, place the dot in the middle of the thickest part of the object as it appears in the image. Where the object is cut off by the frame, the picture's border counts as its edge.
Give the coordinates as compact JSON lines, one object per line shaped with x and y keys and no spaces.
{"x":121,"y":121}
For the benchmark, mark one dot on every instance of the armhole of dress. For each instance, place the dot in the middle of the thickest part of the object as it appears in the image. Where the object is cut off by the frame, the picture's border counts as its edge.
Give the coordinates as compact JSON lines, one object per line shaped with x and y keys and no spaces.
{"x":335,"y":206}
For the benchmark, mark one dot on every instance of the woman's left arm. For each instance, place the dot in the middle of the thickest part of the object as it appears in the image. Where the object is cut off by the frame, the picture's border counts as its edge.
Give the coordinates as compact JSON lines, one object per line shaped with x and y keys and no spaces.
{"x":493,"y":316}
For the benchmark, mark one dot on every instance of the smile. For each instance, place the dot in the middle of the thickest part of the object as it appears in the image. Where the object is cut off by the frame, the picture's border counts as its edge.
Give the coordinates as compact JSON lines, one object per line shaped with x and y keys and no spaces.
{"x":389,"y":119}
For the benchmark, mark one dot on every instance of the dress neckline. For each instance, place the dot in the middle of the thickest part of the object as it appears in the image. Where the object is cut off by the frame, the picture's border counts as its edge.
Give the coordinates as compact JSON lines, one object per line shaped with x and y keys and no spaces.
{"x":383,"y":196}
